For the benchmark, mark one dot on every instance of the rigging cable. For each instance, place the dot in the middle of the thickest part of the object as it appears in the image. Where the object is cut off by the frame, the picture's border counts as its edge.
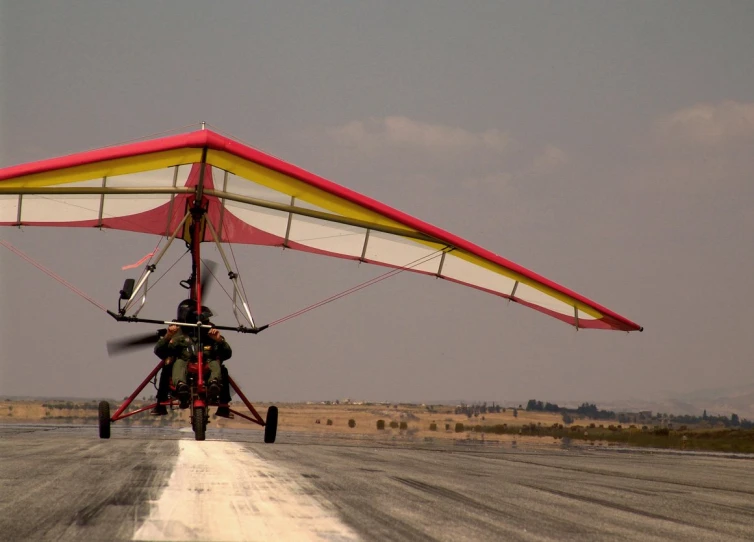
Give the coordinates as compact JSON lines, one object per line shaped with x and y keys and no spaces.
{"x":370,"y":282}
{"x":245,"y":298}
{"x":209,"y":270}
{"x":60,"y":279}
{"x":166,"y":271}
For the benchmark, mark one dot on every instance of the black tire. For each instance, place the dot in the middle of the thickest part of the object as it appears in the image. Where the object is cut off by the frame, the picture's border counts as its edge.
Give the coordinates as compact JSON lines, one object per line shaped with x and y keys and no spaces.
{"x":104,"y":419}
{"x":199,"y":423}
{"x":271,"y":425}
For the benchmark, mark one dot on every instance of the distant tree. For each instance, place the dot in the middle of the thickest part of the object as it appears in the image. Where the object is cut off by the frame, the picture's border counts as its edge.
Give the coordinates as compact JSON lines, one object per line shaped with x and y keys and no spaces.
{"x":380,"y":425}
{"x":459,"y":427}
{"x":704,"y":416}
{"x":433,"y":426}
{"x":393,"y":425}
{"x":515,"y":413}
{"x":351,"y":423}
{"x":734,"y":421}
{"x":404,"y":426}
{"x":329,"y":422}
{"x":567,"y":418}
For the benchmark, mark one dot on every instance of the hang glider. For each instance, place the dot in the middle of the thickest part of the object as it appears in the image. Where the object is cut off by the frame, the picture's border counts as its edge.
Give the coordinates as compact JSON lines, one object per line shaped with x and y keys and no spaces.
{"x":254,"y":198}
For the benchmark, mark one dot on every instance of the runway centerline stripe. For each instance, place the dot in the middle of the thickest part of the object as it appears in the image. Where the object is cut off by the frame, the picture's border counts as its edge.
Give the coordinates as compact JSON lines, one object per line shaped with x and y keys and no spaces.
{"x":222,"y":491}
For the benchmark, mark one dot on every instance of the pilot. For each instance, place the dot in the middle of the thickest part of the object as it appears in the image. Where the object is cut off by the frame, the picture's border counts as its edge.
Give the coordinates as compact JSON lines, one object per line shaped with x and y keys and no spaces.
{"x":179,"y":345}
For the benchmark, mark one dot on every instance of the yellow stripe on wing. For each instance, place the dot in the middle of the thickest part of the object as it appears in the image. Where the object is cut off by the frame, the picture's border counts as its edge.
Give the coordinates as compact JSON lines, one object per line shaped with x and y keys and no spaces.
{"x":108,"y":168}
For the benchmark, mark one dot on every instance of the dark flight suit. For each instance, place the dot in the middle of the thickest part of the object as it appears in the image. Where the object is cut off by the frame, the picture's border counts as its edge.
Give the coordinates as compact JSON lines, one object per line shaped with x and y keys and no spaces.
{"x":182,"y":348}
{"x":163,"y":389}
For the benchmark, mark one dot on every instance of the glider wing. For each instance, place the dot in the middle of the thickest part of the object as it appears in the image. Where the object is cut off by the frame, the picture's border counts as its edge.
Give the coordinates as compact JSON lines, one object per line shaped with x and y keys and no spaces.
{"x":254,"y":198}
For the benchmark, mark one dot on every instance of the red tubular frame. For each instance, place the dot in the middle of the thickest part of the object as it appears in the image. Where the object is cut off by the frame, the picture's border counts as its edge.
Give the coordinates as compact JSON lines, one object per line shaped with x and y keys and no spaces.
{"x":119,"y":415}
{"x":197,"y":216}
{"x":257,"y":418}
{"x":148,"y":407}
{"x":124,"y":406}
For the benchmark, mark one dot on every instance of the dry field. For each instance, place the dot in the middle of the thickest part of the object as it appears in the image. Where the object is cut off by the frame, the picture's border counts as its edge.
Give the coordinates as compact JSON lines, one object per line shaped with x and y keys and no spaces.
{"x":311,"y":418}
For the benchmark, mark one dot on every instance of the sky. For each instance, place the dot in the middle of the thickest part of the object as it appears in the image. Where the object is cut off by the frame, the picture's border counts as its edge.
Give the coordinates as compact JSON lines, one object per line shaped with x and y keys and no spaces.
{"x":607,"y":146}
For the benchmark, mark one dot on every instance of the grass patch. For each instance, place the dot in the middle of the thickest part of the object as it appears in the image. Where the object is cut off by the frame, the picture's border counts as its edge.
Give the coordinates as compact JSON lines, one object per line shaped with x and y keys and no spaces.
{"x":721,"y":440}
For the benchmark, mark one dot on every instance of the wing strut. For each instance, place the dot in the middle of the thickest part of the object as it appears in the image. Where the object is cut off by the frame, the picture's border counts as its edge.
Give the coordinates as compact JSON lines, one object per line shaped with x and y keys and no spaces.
{"x":234,"y":279}
{"x":148,"y":271}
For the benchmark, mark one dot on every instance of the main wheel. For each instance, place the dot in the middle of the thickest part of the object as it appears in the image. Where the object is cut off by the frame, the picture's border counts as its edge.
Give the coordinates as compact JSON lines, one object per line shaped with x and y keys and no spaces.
{"x":271,"y":425}
{"x":104,"y":419}
{"x":199,"y":423}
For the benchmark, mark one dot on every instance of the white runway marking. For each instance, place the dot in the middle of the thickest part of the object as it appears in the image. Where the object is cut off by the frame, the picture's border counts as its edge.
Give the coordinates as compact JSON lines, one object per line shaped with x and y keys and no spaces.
{"x":222,"y":491}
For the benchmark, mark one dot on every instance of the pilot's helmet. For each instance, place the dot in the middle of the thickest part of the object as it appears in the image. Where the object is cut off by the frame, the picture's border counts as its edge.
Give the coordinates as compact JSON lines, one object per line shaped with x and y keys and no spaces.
{"x":187,"y":312}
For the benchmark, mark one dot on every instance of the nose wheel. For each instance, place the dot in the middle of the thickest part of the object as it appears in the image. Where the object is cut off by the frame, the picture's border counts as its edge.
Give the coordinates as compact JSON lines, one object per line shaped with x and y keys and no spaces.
{"x":199,"y":422}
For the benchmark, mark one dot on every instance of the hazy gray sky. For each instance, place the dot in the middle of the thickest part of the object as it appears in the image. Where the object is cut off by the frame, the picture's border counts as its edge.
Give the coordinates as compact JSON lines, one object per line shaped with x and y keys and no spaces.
{"x":607,"y":146}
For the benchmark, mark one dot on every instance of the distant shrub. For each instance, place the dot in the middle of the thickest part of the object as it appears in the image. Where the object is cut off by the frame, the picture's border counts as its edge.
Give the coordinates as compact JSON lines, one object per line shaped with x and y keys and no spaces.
{"x":329,"y":422}
{"x":404,"y":426}
{"x":592,"y":426}
{"x":662,"y":431}
{"x":393,"y":425}
{"x":351,"y":423}
{"x":433,"y":427}
{"x":459,"y":427}
{"x":447,"y":427}
{"x":380,"y":425}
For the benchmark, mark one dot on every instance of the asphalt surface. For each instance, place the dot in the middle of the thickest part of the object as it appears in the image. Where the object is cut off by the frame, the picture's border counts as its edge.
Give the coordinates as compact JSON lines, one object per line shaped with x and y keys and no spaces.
{"x":64,"y":483}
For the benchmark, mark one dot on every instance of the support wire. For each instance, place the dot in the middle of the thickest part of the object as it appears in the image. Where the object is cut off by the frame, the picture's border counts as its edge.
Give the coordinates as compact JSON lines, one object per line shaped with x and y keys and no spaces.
{"x":365,"y":284}
{"x":58,"y":278}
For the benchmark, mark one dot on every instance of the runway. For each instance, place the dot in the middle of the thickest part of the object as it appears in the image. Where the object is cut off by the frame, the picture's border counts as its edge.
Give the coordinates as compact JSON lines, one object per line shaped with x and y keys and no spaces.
{"x":64,"y":483}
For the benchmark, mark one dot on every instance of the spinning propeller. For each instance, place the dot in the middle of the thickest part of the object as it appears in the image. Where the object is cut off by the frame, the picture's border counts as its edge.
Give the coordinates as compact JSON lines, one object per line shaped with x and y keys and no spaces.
{"x":122,"y":346}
